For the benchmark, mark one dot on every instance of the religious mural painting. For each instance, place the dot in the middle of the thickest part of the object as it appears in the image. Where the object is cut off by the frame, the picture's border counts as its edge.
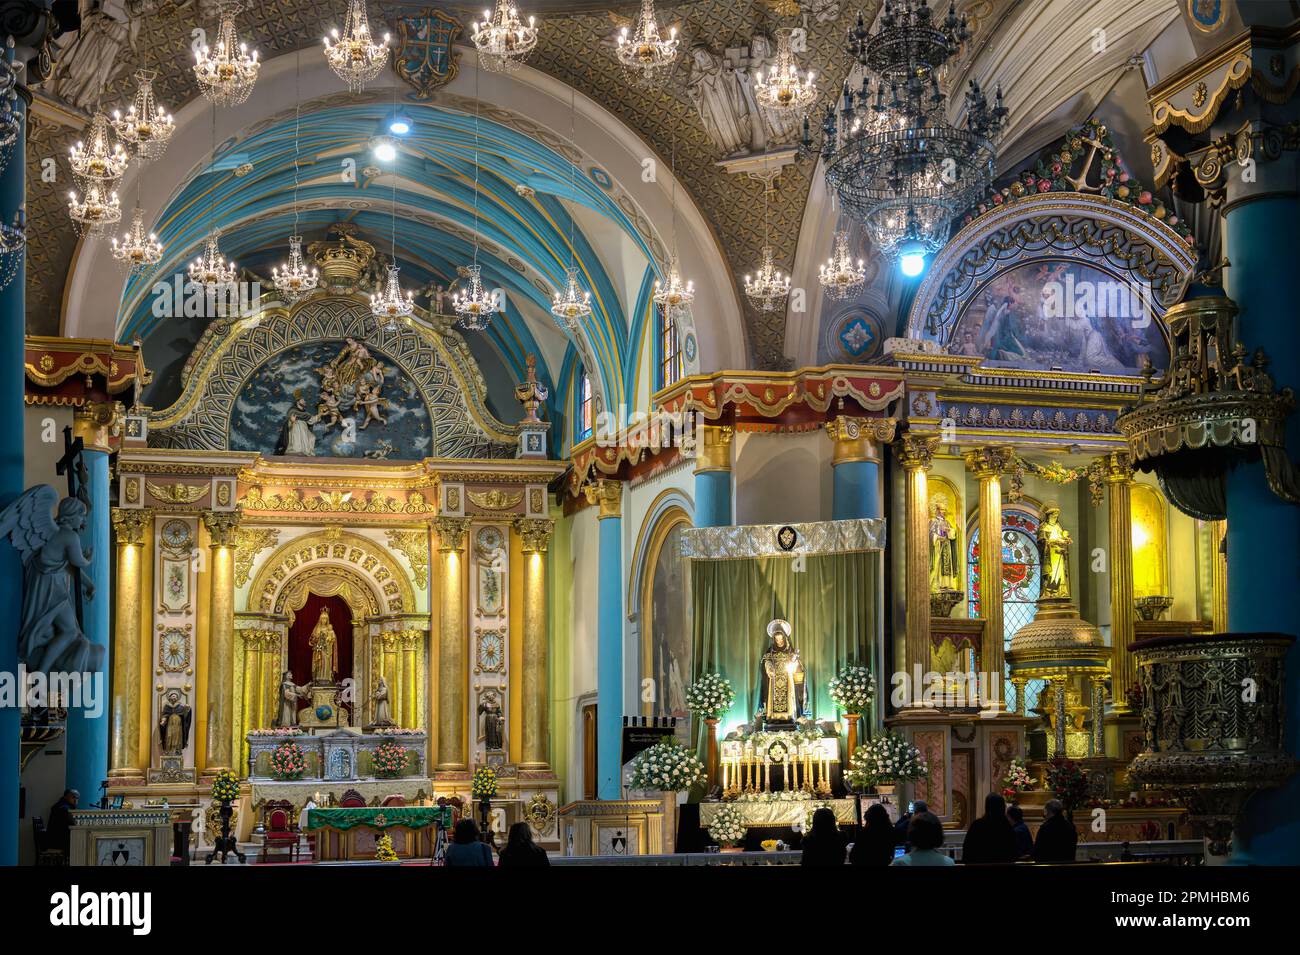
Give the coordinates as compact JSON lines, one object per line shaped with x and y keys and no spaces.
{"x":670,"y":631}
{"x":1061,"y":315}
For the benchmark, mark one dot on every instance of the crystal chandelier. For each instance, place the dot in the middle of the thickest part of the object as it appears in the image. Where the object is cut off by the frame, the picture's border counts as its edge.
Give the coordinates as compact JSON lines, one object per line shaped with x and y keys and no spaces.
{"x":95,"y":211}
{"x":890,"y":153}
{"x":475,"y":306}
{"x":646,"y":53}
{"x":675,"y":293}
{"x":841,"y":275}
{"x":355,"y":55}
{"x":393,"y":304}
{"x":503,"y":40}
{"x":226,"y":71}
{"x":146,"y":126}
{"x":210,"y":270}
{"x":295,"y":279}
{"x":102,"y":160}
{"x":767,"y":288}
{"x":138,"y":249}
{"x":572,"y":306}
{"x":782,"y":89}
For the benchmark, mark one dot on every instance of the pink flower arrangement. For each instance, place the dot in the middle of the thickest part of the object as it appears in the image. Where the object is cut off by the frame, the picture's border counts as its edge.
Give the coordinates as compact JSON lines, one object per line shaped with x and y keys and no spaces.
{"x":388,"y":759}
{"x":288,"y":761}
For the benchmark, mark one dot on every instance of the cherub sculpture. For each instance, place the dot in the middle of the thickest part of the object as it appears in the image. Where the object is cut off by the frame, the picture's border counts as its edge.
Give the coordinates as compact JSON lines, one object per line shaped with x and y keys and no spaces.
{"x":49,"y":635}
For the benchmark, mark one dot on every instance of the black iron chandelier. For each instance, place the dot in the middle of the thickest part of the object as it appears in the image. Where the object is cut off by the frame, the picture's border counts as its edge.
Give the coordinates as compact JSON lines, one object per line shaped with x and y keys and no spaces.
{"x":891,"y":155}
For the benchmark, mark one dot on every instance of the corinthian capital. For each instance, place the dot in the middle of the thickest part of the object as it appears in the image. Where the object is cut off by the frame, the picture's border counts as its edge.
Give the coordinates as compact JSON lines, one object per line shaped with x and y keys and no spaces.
{"x":451,"y":532}
{"x":535,"y":534}
{"x":608,"y":494}
{"x":989,"y":462}
{"x":131,"y":526}
{"x":222,"y":527}
{"x":916,"y":450}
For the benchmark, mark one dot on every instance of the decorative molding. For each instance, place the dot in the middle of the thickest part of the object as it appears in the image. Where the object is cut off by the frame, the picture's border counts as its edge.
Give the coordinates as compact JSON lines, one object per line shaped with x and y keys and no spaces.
{"x":788,"y":540}
{"x":249,"y":542}
{"x":414,"y":546}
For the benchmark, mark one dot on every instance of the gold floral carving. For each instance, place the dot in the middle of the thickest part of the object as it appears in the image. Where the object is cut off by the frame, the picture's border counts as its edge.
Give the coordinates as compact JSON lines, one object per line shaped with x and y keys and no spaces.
{"x":540,"y":813}
{"x":177,"y":493}
{"x":222,"y":527}
{"x":414,"y":546}
{"x":131,"y":526}
{"x":451,"y":532}
{"x":535,"y":533}
{"x":495,"y":499}
{"x":249,"y":542}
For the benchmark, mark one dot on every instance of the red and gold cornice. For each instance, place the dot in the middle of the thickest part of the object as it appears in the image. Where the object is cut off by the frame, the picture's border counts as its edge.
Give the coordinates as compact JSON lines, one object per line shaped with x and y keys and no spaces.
{"x":72,"y":371}
{"x":802,"y":396}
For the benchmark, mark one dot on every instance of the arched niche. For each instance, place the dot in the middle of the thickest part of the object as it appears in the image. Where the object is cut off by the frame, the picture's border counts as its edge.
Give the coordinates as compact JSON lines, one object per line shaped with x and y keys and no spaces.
{"x":332,"y":555}
{"x":1057,"y":281}
{"x":660,"y":585}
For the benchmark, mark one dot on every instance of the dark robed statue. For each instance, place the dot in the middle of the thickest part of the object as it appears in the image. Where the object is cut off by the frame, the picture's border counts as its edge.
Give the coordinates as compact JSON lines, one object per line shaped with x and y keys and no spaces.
{"x":782,"y":689}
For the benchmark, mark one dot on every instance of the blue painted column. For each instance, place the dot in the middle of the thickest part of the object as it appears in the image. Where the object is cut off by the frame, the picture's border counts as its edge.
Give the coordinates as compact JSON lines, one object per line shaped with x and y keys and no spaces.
{"x":855,"y":464}
{"x":713,"y":480}
{"x":1262,"y":241}
{"x":87,"y":739}
{"x":609,"y":639}
{"x":13,"y":332}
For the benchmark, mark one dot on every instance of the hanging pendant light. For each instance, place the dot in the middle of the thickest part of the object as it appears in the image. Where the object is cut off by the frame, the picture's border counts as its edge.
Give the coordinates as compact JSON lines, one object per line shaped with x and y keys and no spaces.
{"x":145,"y":125}
{"x":100,"y":159}
{"x":840,"y":275}
{"x":768,"y":287}
{"x":95,"y":210}
{"x":355,"y":55}
{"x":676,"y":292}
{"x":783,"y":89}
{"x":295,"y":279}
{"x":226,"y":71}
{"x":210,"y":270}
{"x":138,"y":249}
{"x":573,"y":305}
{"x":475,"y":306}
{"x":393,"y":303}
{"x":646,"y":53}
{"x":503,"y":39}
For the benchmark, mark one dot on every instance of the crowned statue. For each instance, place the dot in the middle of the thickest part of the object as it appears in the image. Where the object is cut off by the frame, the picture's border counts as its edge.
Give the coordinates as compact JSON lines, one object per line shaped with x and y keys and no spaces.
{"x":1054,"y":553}
{"x":324,"y":650}
{"x":783,"y":690}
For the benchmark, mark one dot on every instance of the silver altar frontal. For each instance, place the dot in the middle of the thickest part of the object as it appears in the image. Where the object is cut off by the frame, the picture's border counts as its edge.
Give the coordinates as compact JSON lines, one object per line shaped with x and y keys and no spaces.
{"x":342,"y":755}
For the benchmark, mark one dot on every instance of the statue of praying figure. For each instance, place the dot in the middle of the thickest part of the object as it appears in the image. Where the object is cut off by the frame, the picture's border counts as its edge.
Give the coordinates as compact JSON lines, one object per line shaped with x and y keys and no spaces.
{"x":943,"y":549}
{"x":1054,"y":553}
{"x":174,"y":725}
{"x":287,"y":714}
{"x":782,"y":690}
{"x":324,"y":650}
{"x":383,"y":713}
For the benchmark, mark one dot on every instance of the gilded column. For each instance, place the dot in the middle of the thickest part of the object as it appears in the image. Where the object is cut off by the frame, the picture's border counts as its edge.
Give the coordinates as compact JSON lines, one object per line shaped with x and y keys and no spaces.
{"x":713,"y":478}
{"x":988,"y":465}
{"x":221,"y":640}
{"x":1119,"y":486}
{"x":132,"y":528}
{"x":535,"y":535}
{"x":914,"y":453}
{"x":452,"y":674}
{"x":1219,"y":578}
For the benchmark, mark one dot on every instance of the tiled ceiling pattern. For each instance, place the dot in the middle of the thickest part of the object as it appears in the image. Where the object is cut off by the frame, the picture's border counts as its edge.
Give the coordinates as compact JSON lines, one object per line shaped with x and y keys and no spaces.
{"x":575,"y":48}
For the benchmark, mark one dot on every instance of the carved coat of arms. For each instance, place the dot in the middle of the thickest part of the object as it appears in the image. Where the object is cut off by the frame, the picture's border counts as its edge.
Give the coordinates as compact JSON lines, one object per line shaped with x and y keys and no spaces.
{"x":425,"y":56}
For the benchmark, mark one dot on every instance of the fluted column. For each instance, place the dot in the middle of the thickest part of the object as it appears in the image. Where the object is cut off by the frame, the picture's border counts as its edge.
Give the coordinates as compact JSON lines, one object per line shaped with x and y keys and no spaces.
{"x":988,"y":465}
{"x":535,"y":536}
{"x":855,"y":465}
{"x":221,"y":639}
{"x":914,"y":454}
{"x":713,"y":478}
{"x":452,"y":673}
{"x":133,"y":528}
{"x":1119,"y":493}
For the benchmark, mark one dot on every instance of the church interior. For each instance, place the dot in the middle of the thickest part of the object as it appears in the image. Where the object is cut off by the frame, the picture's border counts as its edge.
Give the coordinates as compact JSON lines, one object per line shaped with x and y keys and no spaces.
{"x":581,"y":425}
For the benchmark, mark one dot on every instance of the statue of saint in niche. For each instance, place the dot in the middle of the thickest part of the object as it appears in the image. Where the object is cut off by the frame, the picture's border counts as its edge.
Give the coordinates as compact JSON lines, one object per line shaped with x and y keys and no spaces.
{"x":783,"y":690}
{"x":324,"y":650}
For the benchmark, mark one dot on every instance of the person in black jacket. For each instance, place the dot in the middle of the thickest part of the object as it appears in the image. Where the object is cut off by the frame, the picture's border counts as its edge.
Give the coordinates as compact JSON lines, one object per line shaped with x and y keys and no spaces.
{"x":57,"y":834}
{"x":823,"y":845}
{"x":905,"y":821}
{"x":1057,"y":838}
{"x":1024,"y":838}
{"x":520,"y":851}
{"x":990,"y":839}
{"x":875,"y":844}
{"x":467,"y":847}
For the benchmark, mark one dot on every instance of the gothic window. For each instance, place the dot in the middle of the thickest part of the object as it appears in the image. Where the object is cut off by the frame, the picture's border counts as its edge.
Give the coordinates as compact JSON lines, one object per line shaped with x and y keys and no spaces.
{"x":586,"y":409}
{"x":670,"y":349}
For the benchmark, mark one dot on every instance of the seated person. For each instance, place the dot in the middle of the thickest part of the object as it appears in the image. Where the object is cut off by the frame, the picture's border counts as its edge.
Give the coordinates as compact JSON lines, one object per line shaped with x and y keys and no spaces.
{"x":1057,"y":838}
{"x":926,"y":836}
{"x":57,"y":832}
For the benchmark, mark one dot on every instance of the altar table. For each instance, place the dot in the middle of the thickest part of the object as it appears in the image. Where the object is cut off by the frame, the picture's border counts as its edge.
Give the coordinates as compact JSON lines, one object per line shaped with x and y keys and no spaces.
{"x":344,"y":834}
{"x":781,"y":813}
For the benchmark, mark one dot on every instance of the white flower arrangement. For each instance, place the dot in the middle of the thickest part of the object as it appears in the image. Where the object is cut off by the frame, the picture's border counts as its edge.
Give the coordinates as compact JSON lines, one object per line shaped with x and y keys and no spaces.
{"x":853,"y":689}
{"x":728,"y":826}
{"x":710,"y":696}
{"x":667,"y":767}
{"x":278,"y":731}
{"x":885,"y":759}
{"x":780,"y":795}
{"x":395,"y":731}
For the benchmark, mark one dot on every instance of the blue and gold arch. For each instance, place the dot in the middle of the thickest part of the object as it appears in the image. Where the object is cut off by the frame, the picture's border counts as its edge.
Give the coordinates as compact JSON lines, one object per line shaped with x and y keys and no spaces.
{"x":527,"y":234}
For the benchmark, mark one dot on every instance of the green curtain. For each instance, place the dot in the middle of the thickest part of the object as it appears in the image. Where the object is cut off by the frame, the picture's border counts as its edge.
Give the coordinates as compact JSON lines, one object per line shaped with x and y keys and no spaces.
{"x":831,"y":603}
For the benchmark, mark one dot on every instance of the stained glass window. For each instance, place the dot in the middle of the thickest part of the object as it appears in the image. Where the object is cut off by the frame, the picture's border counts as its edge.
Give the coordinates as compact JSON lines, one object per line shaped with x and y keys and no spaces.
{"x":1021,"y":579}
{"x":670,"y":350}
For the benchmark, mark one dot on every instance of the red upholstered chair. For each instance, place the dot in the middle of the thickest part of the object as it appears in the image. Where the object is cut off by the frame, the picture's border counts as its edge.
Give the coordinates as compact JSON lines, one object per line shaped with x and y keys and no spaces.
{"x":352,"y":800}
{"x":394,"y":800}
{"x":281,"y":829}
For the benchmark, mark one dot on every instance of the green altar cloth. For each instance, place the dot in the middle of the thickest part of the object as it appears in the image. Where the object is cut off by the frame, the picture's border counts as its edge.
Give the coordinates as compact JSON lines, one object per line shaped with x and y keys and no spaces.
{"x":377,"y":817}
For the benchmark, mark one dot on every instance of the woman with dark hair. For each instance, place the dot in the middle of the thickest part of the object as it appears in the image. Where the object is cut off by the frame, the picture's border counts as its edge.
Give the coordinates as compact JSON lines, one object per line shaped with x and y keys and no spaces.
{"x":520,"y":851}
{"x":925,"y":834}
{"x":466,"y":848}
{"x":990,"y":839}
{"x":823,"y":845}
{"x":875,"y":844}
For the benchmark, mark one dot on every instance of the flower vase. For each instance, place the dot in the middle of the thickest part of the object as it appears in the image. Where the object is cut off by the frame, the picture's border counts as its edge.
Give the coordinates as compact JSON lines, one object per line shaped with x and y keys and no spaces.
{"x":711,"y":759}
{"x":484,"y":807}
{"x":852,"y":720}
{"x":886,"y":789}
